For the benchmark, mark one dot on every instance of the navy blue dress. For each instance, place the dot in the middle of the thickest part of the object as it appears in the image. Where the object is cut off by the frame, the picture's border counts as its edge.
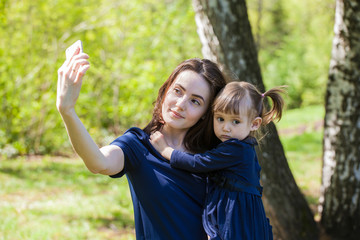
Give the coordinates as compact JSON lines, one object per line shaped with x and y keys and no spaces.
{"x":233,"y":209}
{"x":168,"y":202}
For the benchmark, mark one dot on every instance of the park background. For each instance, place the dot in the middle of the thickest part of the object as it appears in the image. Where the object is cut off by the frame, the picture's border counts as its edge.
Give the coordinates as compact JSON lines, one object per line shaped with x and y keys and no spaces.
{"x":45,"y":190}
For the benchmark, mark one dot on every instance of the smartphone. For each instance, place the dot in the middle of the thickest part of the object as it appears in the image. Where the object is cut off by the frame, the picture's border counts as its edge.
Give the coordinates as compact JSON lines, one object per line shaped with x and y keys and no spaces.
{"x":70,"y":50}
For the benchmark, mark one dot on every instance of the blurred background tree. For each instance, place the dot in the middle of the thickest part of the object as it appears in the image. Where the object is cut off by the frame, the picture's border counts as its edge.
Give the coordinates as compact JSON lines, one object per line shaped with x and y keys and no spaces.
{"x":133,"y":46}
{"x":340,"y":191}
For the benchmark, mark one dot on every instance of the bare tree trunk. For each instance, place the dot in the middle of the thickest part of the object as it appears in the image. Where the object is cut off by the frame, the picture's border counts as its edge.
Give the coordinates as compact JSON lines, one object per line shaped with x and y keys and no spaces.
{"x":340,"y":190}
{"x":225,"y":32}
{"x":258,"y":23}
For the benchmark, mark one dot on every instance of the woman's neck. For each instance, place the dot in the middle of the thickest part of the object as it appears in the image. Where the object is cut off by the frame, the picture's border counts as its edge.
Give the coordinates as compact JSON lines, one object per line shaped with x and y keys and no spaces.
{"x":174,"y":137}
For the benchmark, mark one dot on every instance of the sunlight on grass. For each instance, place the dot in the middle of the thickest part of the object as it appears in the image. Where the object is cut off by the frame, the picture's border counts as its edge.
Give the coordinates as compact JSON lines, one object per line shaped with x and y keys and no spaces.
{"x":301,"y":133}
{"x":306,"y":116}
{"x":58,"y":198}
{"x":304,"y":157}
{"x":52,"y":198}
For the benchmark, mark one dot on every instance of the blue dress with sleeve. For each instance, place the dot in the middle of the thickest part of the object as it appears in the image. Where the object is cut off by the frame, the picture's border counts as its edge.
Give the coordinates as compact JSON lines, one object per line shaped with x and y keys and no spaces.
{"x":167,"y":202}
{"x":233,"y":208}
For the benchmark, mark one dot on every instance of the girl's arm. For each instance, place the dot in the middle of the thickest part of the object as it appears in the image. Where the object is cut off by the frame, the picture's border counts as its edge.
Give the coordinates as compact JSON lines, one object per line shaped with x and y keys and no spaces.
{"x":225,"y":155}
{"x":159,"y":143}
{"x":108,"y":160}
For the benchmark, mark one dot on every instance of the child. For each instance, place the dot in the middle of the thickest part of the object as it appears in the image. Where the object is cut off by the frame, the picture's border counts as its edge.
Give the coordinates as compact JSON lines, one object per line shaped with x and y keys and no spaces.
{"x":233,"y":208}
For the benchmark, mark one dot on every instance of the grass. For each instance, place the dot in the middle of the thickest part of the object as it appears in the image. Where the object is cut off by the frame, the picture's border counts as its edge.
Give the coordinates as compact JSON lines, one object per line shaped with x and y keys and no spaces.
{"x":297,"y":118}
{"x":301,"y":133}
{"x":58,"y":198}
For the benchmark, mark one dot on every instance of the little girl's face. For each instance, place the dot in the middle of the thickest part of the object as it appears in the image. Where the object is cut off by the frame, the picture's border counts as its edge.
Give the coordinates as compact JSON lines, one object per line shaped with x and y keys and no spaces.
{"x":228,"y":126}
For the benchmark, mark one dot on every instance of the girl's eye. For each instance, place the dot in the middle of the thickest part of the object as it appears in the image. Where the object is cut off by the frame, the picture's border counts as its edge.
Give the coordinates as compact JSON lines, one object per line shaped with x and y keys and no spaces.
{"x":220,"y":119}
{"x":236,"y":122}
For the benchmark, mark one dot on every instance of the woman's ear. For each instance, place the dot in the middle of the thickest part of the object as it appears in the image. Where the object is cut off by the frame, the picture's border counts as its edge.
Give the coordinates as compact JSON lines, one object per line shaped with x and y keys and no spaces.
{"x":256,"y":123}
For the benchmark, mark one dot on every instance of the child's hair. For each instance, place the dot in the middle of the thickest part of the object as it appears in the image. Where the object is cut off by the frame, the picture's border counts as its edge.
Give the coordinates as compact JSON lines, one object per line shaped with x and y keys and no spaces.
{"x":236,"y":95}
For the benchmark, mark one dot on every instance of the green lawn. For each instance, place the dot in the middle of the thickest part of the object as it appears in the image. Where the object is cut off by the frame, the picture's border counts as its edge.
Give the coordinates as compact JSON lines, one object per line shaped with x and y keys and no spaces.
{"x":58,"y":198}
{"x":301,"y":133}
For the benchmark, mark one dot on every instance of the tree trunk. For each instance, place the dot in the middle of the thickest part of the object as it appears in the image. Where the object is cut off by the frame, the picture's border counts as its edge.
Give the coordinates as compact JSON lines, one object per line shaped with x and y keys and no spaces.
{"x":225,"y":32}
{"x":340,"y":189}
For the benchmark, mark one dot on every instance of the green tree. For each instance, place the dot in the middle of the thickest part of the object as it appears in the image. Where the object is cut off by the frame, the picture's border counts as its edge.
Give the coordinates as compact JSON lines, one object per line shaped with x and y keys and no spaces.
{"x":132,"y":47}
{"x":295,"y":45}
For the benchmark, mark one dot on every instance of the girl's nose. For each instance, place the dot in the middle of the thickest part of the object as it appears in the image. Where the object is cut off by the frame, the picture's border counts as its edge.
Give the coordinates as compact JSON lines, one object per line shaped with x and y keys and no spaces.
{"x":226,"y":127}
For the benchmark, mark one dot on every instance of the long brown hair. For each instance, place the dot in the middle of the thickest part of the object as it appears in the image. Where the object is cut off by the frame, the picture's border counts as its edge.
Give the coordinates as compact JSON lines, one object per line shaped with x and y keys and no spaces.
{"x":199,"y":137}
{"x":237,"y":95}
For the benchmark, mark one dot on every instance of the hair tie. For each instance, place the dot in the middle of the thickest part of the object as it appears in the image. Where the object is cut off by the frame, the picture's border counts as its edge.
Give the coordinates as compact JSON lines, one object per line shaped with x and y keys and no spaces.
{"x":262,"y":95}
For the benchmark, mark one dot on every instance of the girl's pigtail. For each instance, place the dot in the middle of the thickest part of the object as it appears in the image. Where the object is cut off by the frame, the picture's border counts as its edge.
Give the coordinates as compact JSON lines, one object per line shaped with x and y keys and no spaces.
{"x":275,"y":113}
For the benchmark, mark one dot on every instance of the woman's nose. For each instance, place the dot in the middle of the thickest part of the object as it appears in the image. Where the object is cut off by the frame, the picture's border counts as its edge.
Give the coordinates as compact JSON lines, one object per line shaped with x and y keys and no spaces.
{"x":180,"y":103}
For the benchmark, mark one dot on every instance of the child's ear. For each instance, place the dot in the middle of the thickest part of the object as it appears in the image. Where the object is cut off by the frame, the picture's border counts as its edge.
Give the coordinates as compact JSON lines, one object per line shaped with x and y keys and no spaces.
{"x":256,"y":123}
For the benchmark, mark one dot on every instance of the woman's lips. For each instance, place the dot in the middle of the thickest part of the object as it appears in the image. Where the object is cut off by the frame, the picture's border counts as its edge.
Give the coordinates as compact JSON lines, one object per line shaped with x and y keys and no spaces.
{"x":176,"y":114}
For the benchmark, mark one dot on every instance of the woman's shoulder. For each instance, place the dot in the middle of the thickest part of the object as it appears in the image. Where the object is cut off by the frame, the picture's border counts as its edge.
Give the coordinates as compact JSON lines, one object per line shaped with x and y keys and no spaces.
{"x":133,"y":134}
{"x":137,"y":132}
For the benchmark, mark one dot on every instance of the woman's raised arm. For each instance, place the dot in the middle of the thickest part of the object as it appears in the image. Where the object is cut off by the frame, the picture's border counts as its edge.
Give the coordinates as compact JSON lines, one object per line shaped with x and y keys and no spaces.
{"x":108,"y":160}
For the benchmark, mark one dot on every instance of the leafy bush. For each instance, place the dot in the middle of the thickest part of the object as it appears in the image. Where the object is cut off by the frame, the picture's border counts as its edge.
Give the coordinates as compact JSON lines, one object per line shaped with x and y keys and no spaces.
{"x":133,"y":47}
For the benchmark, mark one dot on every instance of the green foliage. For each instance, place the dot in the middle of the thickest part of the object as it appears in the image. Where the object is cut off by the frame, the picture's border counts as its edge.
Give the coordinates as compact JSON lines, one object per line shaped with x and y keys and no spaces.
{"x":133,"y":47}
{"x":295,"y":46}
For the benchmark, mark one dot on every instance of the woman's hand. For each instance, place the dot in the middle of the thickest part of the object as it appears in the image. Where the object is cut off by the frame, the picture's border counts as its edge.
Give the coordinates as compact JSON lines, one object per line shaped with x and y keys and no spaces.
{"x":70,"y":76}
{"x":110,"y":159}
{"x":159,"y":143}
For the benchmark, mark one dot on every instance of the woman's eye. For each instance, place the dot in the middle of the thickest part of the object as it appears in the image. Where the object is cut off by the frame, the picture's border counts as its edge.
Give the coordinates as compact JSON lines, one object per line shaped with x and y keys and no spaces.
{"x":177,"y":91}
{"x":196,"y":102}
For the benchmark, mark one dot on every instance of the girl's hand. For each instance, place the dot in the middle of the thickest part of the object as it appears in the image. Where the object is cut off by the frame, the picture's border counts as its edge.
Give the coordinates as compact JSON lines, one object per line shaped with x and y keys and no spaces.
{"x":70,"y":76}
{"x":159,"y":143}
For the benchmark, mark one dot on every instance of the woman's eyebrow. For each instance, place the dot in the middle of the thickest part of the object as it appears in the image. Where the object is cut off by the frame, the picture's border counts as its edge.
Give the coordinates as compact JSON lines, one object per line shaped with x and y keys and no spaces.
{"x":195,"y":95}
{"x":198,"y":96}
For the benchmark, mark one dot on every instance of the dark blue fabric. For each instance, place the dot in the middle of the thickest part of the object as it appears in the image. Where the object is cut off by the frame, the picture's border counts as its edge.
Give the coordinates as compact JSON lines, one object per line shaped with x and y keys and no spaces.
{"x":167,"y":202}
{"x":235,"y":185}
{"x":233,"y":208}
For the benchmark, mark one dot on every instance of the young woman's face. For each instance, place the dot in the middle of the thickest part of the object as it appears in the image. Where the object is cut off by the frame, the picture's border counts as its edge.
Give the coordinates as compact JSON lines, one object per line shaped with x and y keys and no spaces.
{"x":186,"y":101}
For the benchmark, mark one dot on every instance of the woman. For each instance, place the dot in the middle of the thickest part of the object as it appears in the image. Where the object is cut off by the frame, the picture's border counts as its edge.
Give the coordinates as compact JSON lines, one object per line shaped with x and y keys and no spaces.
{"x":167,"y":202}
